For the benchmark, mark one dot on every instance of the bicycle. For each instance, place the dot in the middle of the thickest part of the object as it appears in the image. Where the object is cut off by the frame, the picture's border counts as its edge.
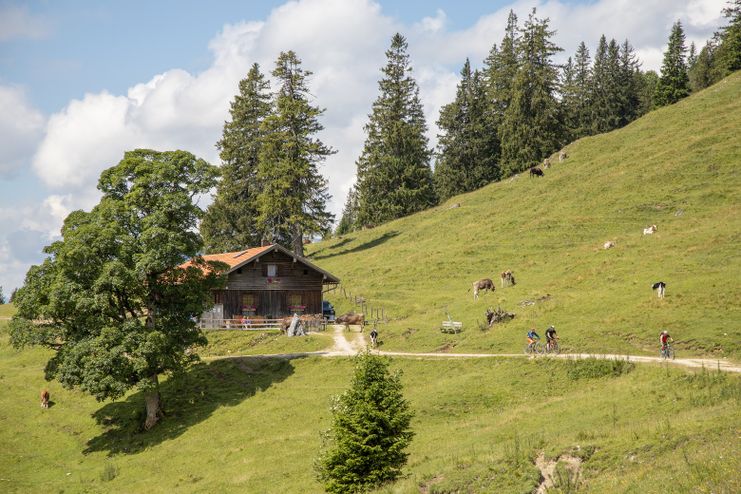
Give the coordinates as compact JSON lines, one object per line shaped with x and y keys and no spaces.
{"x":667,"y":352}
{"x":534,"y":348}
{"x":552,"y":347}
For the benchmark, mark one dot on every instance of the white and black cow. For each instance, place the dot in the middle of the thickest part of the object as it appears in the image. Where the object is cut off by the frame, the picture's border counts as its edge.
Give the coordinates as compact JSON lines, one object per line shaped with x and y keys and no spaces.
{"x":660,"y":288}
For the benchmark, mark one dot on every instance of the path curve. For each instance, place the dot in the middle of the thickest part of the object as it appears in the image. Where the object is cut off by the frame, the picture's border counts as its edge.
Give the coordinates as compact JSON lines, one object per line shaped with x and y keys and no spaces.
{"x":344,"y":348}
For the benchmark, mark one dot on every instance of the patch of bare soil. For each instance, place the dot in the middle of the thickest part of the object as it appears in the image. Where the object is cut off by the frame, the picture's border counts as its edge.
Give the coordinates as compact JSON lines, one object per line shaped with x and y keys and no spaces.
{"x":551,"y":478}
{"x":446,"y":347}
{"x":425,"y":488}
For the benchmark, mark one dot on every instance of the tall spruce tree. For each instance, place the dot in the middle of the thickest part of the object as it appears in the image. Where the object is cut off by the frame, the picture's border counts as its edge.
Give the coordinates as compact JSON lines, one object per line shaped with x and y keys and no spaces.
{"x":673,"y":83}
{"x":468,"y":149}
{"x":500,"y":69}
{"x":394,"y":177}
{"x":628,"y":84}
{"x":230,"y":223}
{"x":606,"y":105}
{"x":701,"y":72}
{"x":293,"y":196}
{"x":569,"y":101}
{"x":646,"y":91}
{"x":349,"y":213}
{"x":531,"y":128}
{"x":582,"y":87}
{"x":728,"y":55}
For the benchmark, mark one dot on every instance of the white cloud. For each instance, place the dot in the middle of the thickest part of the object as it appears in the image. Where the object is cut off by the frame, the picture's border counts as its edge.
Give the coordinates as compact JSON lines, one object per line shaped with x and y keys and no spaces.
{"x":21,"y":128}
{"x":17,"y":22}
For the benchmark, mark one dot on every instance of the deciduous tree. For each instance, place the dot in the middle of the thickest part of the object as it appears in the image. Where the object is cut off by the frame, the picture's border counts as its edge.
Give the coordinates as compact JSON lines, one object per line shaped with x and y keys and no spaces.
{"x":116,"y":308}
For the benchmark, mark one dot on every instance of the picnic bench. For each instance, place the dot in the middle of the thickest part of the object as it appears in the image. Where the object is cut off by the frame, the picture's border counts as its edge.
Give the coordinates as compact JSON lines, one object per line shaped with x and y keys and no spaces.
{"x":451,"y":326}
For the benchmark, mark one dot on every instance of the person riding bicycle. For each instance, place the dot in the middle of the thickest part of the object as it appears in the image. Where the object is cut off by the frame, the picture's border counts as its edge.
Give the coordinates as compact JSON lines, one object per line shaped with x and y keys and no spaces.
{"x":532,"y":338}
{"x":550,"y":336}
{"x":664,"y":339}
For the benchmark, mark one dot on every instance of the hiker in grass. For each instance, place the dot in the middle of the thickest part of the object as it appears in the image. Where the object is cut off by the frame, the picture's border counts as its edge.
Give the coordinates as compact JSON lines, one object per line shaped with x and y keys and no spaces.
{"x":532,"y":338}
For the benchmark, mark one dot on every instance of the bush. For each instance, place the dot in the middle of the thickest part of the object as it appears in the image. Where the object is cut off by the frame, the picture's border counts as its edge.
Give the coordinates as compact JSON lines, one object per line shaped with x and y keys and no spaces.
{"x":592,"y":368}
{"x":370,"y":431}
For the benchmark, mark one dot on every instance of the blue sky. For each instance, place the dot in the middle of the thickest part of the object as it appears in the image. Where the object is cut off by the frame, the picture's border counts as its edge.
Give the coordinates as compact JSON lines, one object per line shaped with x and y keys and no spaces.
{"x":81,"y":82}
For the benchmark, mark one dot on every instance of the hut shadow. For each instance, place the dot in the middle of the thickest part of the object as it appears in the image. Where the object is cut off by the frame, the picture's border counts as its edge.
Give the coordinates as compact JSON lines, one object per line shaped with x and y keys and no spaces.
{"x":188,"y":399}
{"x":366,"y":245}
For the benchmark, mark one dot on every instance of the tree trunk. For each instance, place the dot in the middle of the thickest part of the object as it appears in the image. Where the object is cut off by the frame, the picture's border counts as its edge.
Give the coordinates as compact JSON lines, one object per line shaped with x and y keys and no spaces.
{"x":298,"y":240}
{"x":153,"y":404}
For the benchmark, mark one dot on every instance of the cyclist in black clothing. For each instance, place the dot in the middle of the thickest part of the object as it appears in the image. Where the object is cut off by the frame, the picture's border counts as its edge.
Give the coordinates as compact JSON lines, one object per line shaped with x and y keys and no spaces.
{"x":550,"y":336}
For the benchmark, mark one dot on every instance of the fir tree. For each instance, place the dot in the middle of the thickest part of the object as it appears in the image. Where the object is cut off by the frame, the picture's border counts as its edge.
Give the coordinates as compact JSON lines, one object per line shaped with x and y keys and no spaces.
{"x":646,"y":90}
{"x":394,"y":175}
{"x":628,"y":84}
{"x":230,"y":222}
{"x":500,"y":69}
{"x":673,"y":83}
{"x":468,"y":148}
{"x":370,"y":430}
{"x":728,"y":55}
{"x":293,"y":196}
{"x":348,"y":221}
{"x":606,"y":105}
{"x":531,"y":129}
{"x":701,"y":72}
{"x":570,"y":101}
{"x":582,"y":87}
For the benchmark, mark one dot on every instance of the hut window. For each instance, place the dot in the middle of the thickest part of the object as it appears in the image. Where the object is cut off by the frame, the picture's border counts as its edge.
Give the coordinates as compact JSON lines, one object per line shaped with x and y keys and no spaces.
{"x":272,"y":270}
{"x":294,"y":299}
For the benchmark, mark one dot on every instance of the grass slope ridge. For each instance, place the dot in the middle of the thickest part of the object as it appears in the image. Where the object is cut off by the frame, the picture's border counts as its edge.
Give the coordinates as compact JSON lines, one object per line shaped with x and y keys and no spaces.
{"x":677,"y":167}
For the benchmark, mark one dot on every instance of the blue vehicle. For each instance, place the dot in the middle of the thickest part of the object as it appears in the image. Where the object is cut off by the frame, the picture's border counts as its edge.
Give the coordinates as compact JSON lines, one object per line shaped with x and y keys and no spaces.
{"x":328,"y":311}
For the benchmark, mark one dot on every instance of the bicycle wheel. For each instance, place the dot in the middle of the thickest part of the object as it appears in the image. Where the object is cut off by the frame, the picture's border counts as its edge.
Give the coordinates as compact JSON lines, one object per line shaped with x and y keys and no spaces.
{"x":539,"y":348}
{"x":670,"y":353}
{"x":526,"y":350}
{"x":554,"y":348}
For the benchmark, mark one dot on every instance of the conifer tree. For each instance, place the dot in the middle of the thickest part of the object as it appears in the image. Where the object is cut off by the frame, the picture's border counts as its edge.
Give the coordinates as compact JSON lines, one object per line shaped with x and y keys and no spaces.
{"x":394,"y":177}
{"x":293,"y":194}
{"x":646,"y":91}
{"x":582,"y":83}
{"x":606,"y":105}
{"x":628,"y":84}
{"x":468,"y":147}
{"x":673,"y":83}
{"x":230,"y":223}
{"x":531,"y":127}
{"x":728,"y":55}
{"x":569,"y":101}
{"x":370,"y":430}
{"x":348,"y":221}
{"x":701,"y":72}
{"x":500,"y":69}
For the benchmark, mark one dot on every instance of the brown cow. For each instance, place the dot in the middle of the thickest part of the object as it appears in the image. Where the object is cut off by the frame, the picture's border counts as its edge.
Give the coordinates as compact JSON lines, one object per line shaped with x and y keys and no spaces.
{"x":482,"y":285}
{"x":507,"y":277}
{"x":351,"y":319}
{"x":536,"y":172}
{"x":45,"y":398}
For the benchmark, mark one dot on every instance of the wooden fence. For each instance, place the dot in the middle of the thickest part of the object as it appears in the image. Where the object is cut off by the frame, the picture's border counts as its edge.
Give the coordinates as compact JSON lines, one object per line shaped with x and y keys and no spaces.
{"x":259,"y":324}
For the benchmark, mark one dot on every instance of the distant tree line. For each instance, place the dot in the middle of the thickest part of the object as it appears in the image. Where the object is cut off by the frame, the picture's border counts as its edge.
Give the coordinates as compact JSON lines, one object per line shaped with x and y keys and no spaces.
{"x":516,"y":110}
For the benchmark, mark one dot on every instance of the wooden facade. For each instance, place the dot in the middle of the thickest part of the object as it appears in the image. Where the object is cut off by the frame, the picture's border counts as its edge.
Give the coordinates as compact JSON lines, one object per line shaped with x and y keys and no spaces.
{"x":272,"y":283}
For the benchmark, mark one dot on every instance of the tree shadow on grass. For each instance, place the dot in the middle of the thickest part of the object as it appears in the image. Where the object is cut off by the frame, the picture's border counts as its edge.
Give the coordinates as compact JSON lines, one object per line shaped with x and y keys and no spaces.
{"x":367,"y":245}
{"x":187,"y":399}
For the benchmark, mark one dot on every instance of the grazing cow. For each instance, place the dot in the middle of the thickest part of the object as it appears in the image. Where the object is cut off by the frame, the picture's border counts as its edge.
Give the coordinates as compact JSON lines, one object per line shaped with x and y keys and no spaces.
{"x":650,"y":230}
{"x":45,"y":399}
{"x":507,"y":277}
{"x":660,"y":288}
{"x":536,"y":172}
{"x":547,"y":163}
{"x":609,"y":245}
{"x":351,"y":319}
{"x":455,"y":205}
{"x":482,"y":285}
{"x":562,"y":156}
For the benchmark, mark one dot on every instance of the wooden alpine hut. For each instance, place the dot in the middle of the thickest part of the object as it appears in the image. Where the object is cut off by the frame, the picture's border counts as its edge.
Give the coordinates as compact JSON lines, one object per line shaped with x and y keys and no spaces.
{"x":269,"y":282}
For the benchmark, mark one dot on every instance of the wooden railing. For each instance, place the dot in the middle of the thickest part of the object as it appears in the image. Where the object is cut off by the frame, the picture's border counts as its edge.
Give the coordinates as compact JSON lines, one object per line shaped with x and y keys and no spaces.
{"x":259,"y":324}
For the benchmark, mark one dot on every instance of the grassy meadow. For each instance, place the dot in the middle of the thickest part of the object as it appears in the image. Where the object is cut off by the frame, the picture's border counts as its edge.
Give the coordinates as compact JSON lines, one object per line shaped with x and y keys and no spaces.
{"x":677,"y":167}
{"x":253,"y":424}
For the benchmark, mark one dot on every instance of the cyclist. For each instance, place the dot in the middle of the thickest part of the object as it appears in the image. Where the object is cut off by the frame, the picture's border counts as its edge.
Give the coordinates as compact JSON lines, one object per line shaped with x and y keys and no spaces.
{"x":550,"y":337}
{"x":664,"y":339}
{"x":532,"y":338}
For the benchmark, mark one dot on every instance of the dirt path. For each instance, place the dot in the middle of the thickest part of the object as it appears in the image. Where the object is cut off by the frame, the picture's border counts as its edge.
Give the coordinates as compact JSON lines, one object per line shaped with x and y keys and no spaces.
{"x":548,"y":470}
{"x":344,"y":348}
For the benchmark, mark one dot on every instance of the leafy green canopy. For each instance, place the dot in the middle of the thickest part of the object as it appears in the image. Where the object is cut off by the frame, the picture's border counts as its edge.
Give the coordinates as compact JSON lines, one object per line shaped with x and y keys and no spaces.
{"x":370,"y":432}
{"x":230,"y":221}
{"x":110,"y":299}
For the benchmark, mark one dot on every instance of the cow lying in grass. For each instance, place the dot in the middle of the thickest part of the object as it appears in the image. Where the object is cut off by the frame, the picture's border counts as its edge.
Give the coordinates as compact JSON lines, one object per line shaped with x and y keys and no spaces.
{"x":650,"y":230}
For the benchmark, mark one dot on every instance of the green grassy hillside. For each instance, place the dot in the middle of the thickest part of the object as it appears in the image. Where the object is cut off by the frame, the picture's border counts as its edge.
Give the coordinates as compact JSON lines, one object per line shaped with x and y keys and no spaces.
{"x":678,"y":168}
{"x":253,"y":424}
